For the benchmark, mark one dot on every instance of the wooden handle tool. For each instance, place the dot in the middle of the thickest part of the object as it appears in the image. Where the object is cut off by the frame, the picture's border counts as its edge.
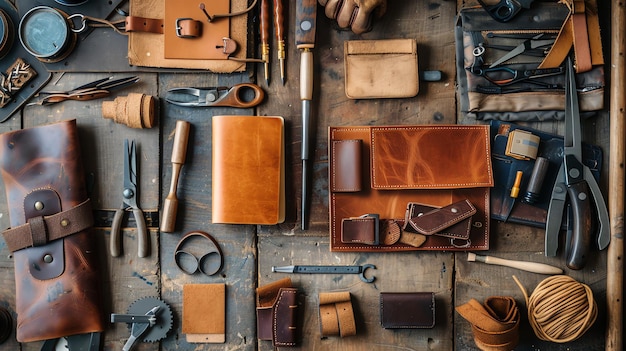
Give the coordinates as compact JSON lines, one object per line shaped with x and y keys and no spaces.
{"x":533,"y":267}
{"x":179,"y":153}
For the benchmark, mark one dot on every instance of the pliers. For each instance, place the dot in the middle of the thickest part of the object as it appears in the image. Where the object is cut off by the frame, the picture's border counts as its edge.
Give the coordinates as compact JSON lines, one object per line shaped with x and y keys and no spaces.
{"x":129,"y":201}
{"x":576,"y":182}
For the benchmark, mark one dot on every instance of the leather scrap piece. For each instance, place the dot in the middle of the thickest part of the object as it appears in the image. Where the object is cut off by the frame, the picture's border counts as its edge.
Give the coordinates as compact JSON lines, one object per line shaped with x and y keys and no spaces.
{"x":336,"y":314}
{"x":495,"y":324}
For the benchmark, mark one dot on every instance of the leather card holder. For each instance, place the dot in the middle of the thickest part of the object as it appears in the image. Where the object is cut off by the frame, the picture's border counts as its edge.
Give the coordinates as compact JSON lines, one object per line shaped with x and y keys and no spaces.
{"x":381,"y":68}
{"x":452,"y":221}
{"x":347,"y":162}
{"x":362,"y":230}
{"x":407,"y":310}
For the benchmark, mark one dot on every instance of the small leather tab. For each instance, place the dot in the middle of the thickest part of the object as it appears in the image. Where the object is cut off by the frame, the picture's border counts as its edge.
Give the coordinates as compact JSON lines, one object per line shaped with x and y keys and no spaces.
{"x":363,"y":229}
{"x":188,"y":28}
{"x":142,"y":24}
{"x":346,"y":173}
{"x":336,"y":314}
{"x":38,"y":231}
{"x":407,"y":310}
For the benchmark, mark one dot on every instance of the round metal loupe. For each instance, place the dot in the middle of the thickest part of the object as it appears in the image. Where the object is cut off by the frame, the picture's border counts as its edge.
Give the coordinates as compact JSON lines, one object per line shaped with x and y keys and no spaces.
{"x":7,"y":33}
{"x":46,"y":33}
{"x":70,"y":2}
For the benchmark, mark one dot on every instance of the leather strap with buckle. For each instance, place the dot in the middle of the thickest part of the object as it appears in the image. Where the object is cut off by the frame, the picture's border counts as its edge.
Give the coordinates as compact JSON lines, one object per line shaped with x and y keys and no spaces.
{"x":188,"y":28}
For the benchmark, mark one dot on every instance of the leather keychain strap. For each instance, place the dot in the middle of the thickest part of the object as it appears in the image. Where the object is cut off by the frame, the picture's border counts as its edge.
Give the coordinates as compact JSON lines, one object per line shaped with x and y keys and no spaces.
{"x":336,"y":314}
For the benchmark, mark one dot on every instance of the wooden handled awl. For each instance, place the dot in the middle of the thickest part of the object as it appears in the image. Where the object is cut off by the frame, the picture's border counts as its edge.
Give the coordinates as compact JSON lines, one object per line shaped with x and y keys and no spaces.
{"x":533,"y":267}
{"x":179,"y":153}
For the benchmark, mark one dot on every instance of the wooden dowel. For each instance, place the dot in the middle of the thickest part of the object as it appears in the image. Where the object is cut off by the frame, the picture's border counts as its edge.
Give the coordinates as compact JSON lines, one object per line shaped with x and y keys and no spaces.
{"x":615,"y":266}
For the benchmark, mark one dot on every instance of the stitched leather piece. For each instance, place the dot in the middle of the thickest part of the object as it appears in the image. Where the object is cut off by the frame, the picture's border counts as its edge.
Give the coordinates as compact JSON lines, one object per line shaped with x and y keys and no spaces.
{"x":346,"y":171}
{"x":407,"y":310}
{"x":495,"y":324}
{"x":48,"y":157}
{"x":364,"y":230}
{"x":420,"y":157}
{"x":336,"y":314}
{"x":440,"y":219}
{"x":277,"y":311}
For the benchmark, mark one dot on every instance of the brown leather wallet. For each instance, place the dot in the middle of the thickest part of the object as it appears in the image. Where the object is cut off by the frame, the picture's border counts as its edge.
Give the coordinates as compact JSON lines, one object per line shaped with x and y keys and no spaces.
{"x":452,"y":221}
{"x":402,"y":310}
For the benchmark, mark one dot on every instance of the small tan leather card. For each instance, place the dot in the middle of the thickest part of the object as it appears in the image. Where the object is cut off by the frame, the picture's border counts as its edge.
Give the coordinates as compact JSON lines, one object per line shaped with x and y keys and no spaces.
{"x":204,"y":313}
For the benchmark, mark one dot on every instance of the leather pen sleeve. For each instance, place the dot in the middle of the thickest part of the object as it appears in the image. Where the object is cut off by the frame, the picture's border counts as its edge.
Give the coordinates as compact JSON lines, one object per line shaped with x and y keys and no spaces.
{"x":347,"y":163}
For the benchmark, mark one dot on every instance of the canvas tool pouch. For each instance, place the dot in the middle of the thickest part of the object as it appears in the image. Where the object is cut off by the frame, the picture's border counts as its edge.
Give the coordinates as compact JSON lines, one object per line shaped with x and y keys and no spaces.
{"x":54,"y":251}
{"x":432,"y":165}
{"x":485,"y":92}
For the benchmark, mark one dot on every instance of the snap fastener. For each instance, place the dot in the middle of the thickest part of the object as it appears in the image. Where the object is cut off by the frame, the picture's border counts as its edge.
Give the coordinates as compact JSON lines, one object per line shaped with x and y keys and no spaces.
{"x":39,"y":206}
{"x":454,"y":210}
{"x":48,"y":258}
{"x":65,"y":222}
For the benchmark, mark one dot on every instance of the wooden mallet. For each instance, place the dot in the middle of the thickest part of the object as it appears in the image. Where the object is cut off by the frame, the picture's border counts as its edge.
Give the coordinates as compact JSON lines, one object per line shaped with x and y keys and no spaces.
{"x":179,"y":153}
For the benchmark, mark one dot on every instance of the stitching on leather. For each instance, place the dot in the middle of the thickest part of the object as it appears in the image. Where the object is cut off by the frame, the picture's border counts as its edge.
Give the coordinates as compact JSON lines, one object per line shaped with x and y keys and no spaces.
{"x":431,"y":186}
{"x":280,"y":297}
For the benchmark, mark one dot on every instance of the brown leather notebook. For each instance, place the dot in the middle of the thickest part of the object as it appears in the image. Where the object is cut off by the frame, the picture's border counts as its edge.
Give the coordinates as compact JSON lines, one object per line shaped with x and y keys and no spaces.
{"x":204,"y":313}
{"x":248,"y":170}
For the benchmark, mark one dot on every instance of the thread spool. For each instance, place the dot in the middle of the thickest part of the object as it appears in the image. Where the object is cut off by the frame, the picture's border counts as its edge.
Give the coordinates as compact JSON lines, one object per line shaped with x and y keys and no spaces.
{"x":135,"y":110}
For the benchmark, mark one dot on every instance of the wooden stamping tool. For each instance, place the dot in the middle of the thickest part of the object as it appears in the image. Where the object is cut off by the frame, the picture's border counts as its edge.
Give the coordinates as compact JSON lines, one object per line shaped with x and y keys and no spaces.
{"x":179,"y":153}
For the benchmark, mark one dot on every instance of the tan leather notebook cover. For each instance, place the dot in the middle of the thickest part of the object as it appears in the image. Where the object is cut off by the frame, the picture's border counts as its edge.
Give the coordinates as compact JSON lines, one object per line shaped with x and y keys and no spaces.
{"x":204,"y":313}
{"x":248,"y":170}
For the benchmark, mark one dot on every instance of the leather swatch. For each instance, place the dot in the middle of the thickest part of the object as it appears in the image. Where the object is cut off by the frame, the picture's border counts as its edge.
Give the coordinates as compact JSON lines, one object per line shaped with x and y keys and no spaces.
{"x":407,"y":310}
{"x":204,"y":313}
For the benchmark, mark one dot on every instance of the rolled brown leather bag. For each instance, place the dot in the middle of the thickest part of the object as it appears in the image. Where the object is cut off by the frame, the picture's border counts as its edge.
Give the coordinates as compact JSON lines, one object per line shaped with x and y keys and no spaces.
{"x":56,"y":262}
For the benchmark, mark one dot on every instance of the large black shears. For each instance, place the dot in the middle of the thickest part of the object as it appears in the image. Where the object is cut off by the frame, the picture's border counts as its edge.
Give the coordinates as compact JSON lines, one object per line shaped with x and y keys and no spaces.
{"x":575,"y":181}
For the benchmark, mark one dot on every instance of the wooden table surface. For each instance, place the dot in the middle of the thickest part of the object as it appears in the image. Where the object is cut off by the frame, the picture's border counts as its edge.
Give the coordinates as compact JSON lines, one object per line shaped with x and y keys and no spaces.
{"x":251,"y":251}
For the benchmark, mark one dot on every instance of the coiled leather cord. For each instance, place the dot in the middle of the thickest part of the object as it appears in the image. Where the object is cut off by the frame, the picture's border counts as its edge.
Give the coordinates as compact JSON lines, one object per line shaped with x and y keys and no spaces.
{"x":560,"y":309}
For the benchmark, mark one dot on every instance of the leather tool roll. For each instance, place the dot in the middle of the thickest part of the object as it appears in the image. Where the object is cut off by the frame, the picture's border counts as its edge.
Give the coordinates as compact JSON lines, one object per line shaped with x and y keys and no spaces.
{"x":54,"y":251}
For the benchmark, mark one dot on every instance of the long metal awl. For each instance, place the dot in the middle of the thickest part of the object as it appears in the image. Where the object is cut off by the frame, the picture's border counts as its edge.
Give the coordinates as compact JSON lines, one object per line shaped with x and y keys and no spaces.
{"x":360,"y":270}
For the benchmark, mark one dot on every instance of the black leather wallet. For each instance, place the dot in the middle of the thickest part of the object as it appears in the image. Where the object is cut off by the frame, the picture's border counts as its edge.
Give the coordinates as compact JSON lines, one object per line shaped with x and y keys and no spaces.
{"x":406,"y":310}
{"x":505,"y":168}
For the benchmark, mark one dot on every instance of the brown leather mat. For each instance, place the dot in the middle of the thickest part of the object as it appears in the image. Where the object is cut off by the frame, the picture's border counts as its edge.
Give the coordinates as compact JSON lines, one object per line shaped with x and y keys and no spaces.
{"x":17,"y":51}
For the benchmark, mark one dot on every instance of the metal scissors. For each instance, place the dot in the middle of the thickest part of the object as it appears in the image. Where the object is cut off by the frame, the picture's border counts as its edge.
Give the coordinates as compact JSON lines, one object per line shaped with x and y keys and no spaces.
{"x":576,"y":182}
{"x":94,"y":90}
{"x":129,"y":202}
{"x":234,"y":96}
{"x":528,"y":44}
{"x":503,"y":76}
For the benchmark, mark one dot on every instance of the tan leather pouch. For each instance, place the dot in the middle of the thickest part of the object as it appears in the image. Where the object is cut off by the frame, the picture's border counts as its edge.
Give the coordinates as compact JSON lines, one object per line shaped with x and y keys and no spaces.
{"x":381,"y":68}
